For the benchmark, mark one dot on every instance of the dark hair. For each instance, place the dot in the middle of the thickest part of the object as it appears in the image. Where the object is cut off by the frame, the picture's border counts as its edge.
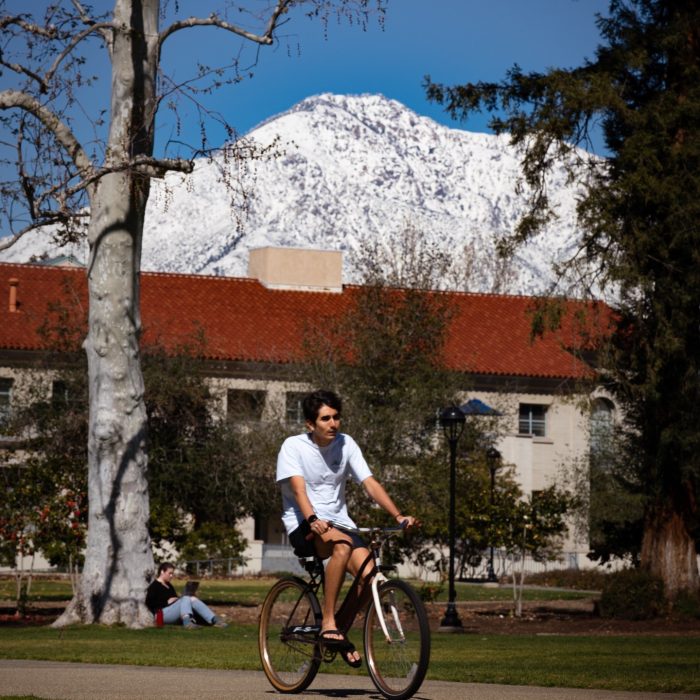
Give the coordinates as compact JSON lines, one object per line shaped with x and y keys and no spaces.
{"x":165,"y":566}
{"x":312,"y":403}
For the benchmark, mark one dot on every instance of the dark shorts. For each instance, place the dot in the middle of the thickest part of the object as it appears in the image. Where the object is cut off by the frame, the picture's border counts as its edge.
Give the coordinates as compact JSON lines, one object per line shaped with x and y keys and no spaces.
{"x":305,"y":548}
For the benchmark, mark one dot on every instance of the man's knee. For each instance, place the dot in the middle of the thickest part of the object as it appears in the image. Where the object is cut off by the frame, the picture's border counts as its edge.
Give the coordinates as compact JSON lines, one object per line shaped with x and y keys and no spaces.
{"x":342,"y":549}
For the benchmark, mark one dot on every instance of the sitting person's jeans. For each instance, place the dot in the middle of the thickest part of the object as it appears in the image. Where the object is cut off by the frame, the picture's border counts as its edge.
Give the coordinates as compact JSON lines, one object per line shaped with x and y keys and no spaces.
{"x":186,"y":605}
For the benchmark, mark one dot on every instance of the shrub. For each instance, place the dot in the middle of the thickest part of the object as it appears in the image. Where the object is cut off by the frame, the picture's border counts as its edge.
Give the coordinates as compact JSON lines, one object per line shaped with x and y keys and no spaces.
{"x":632,"y":594}
{"x":686,"y":606}
{"x":214,"y":542}
{"x":429,"y":592}
{"x":578,"y":579}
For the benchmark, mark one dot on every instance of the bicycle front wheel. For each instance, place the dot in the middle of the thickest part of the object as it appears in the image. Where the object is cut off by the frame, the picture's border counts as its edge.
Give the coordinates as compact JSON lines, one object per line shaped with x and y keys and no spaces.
{"x":290,"y":620}
{"x":397,"y":658}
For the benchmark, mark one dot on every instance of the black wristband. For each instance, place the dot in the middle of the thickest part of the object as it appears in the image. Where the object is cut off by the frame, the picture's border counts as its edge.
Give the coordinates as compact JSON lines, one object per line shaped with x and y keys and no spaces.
{"x":312,"y":518}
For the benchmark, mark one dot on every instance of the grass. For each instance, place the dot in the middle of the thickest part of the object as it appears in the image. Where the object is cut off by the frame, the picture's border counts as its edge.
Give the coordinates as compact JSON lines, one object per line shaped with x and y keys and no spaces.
{"x":643,"y":663}
{"x":661,"y":664}
{"x":253,"y":591}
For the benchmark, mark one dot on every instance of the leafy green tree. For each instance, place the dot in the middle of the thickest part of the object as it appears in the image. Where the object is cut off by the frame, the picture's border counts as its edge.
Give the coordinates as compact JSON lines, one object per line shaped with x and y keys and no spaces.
{"x":204,"y":472}
{"x":479,"y":524}
{"x":46,"y":502}
{"x":385,"y":358}
{"x":534,"y":526}
{"x":615,"y":502}
{"x":200,"y":479}
{"x":639,"y":215}
{"x":216,"y":543}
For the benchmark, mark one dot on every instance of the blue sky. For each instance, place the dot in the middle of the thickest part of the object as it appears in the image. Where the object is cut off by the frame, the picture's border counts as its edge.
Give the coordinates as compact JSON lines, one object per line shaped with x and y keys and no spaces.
{"x":452,"y":40}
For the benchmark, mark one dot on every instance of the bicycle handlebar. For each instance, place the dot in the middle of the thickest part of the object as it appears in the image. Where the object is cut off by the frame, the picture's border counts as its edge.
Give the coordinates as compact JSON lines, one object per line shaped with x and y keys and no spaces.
{"x":361,"y":530}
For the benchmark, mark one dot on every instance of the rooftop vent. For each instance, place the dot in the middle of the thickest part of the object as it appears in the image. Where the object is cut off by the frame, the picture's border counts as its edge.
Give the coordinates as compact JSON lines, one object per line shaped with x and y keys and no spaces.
{"x":297,"y":269}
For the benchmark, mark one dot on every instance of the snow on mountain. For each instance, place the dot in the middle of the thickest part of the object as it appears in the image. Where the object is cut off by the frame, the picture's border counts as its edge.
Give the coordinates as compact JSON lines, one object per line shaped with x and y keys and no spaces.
{"x":348,"y":168}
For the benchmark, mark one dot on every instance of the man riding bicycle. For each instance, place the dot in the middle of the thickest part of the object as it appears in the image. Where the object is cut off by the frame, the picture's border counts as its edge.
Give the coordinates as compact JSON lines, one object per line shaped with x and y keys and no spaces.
{"x":312,"y":470}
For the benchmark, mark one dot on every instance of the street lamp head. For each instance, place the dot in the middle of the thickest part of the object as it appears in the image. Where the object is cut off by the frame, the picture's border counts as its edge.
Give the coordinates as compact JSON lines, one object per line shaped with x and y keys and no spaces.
{"x":493,"y":459}
{"x":452,"y":421}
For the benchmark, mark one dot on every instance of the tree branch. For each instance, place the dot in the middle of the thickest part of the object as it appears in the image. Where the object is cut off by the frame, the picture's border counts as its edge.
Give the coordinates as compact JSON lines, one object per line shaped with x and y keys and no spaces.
{"x":97,"y":27}
{"x":214,"y":21}
{"x":88,"y":20}
{"x":158,"y":167}
{"x":8,"y":241}
{"x":15,"y":99}
{"x":17,"y":68}
{"x":48,"y":32}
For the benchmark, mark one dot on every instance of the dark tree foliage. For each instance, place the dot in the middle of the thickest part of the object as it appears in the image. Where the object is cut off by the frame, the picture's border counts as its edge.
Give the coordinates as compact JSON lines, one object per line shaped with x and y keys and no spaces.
{"x":384,"y":356}
{"x":203,"y":474}
{"x":641,"y":237}
{"x":386,"y":359}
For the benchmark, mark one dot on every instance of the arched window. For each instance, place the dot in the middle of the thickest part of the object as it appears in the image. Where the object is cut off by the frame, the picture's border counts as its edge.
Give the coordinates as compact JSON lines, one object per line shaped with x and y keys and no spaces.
{"x":601,"y":427}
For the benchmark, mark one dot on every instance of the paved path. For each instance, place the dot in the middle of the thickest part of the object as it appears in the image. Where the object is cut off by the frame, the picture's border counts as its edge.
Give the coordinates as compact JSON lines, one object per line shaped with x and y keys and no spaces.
{"x":65,"y":681}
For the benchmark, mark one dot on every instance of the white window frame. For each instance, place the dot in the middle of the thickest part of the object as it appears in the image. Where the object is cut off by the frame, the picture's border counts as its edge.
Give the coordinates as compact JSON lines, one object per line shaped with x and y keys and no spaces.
{"x":531,"y":424}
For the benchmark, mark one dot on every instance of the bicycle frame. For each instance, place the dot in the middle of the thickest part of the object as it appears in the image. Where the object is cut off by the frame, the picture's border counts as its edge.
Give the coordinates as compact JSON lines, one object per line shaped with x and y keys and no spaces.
{"x":396,"y":632}
{"x":352,"y":604}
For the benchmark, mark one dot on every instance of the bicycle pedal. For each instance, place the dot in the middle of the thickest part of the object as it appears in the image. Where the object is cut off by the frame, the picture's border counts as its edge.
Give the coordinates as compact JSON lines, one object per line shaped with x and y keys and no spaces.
{"x":305,"y":629}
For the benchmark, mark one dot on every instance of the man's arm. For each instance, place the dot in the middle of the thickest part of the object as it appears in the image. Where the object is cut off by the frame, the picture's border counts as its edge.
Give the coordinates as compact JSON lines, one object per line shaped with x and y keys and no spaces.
{"x":298,"y":486}
{"x":378,"y":494}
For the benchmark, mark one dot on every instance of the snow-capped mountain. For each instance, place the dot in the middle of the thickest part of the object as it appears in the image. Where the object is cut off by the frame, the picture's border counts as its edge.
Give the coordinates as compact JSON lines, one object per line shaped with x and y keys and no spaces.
{"x":345,"y":169}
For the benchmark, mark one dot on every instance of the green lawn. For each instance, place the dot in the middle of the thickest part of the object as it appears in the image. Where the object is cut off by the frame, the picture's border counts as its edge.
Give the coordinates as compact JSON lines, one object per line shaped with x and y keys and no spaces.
{"x":252,"y":591}
{"x":651,"y":663}
{"x":663,"y":664}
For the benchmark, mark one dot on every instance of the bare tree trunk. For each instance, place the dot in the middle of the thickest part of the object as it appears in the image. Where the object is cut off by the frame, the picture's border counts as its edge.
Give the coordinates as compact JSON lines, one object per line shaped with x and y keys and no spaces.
{"x":668,"y":550}
{"x":118,"y":558}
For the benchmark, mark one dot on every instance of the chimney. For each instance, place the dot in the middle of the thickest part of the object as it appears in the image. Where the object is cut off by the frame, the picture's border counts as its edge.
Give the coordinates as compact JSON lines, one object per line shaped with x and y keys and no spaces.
{"x":14,"y":283}
{"x":297,"y":269}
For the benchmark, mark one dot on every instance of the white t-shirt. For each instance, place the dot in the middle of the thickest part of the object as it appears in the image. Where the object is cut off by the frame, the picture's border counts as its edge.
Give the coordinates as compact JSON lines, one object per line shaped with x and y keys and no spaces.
{"x":325,"y":471}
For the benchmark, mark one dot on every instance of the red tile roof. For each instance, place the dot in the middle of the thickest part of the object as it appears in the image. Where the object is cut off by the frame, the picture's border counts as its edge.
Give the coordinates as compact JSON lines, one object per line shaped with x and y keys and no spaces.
{"x":242,"y":320}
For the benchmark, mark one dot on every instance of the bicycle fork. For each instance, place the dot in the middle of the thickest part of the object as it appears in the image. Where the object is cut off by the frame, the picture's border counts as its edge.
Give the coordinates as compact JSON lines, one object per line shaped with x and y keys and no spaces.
{"x":376,"y":581}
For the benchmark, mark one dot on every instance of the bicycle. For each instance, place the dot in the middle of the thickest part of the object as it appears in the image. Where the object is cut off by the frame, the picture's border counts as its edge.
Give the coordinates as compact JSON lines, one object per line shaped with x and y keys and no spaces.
{"x":396,"y":633}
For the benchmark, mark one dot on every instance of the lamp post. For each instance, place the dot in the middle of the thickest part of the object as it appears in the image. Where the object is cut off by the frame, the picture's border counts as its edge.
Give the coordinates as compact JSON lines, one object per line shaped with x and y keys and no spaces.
{"x":452,"y":421}
{"x":493,"y":461}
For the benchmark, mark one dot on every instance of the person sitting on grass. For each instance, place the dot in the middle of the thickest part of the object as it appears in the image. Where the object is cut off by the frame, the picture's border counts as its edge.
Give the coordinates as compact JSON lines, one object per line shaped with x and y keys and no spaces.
{"x":161,"y":595}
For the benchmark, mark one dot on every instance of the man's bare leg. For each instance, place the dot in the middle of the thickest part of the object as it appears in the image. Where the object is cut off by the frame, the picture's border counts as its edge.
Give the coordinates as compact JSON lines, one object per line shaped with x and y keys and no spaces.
{"x":337,"y":548}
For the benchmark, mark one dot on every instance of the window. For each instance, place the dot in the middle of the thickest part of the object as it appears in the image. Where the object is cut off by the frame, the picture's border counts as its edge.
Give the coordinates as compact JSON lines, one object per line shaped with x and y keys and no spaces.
{"x":245,"y":405}
{"x":260,"y":528}
{"x":295,"y":413}
{"x":531,"y":419}
{"x":601,"y":432}
{"x":59,"y":393}
{"x":5,"y":395}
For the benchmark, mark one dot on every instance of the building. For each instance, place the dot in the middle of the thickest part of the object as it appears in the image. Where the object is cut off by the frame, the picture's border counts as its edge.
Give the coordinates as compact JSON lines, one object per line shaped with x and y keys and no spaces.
{"x":255,"y":327}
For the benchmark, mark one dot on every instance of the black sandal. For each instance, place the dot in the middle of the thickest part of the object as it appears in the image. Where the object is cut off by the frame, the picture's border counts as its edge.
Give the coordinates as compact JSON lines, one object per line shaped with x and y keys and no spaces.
{"x":345,"y":656}
{"x":339,"y":640}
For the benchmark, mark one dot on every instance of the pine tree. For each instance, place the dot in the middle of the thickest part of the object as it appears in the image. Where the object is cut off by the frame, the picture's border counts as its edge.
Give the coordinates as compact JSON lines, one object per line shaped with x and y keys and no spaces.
{"x":641,"y":239}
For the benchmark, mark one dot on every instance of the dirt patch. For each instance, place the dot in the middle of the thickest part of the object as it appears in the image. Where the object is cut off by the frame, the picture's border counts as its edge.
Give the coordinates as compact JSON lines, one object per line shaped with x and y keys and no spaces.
{"x":558,"y":617}
{"x":563,"y":617}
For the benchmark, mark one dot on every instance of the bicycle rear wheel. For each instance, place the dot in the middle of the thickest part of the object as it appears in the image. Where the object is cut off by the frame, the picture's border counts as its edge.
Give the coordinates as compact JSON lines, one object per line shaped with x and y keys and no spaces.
{"x":289,"y":623}
{"x":397,"y":664}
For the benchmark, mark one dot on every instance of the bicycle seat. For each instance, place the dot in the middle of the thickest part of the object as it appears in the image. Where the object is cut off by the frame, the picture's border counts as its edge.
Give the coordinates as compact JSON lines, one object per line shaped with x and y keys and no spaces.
{"x":312,"y":565}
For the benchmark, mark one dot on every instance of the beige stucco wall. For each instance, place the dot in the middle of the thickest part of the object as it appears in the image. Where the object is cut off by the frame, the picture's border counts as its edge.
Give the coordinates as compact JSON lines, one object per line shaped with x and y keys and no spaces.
{"x":540,"y":462}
